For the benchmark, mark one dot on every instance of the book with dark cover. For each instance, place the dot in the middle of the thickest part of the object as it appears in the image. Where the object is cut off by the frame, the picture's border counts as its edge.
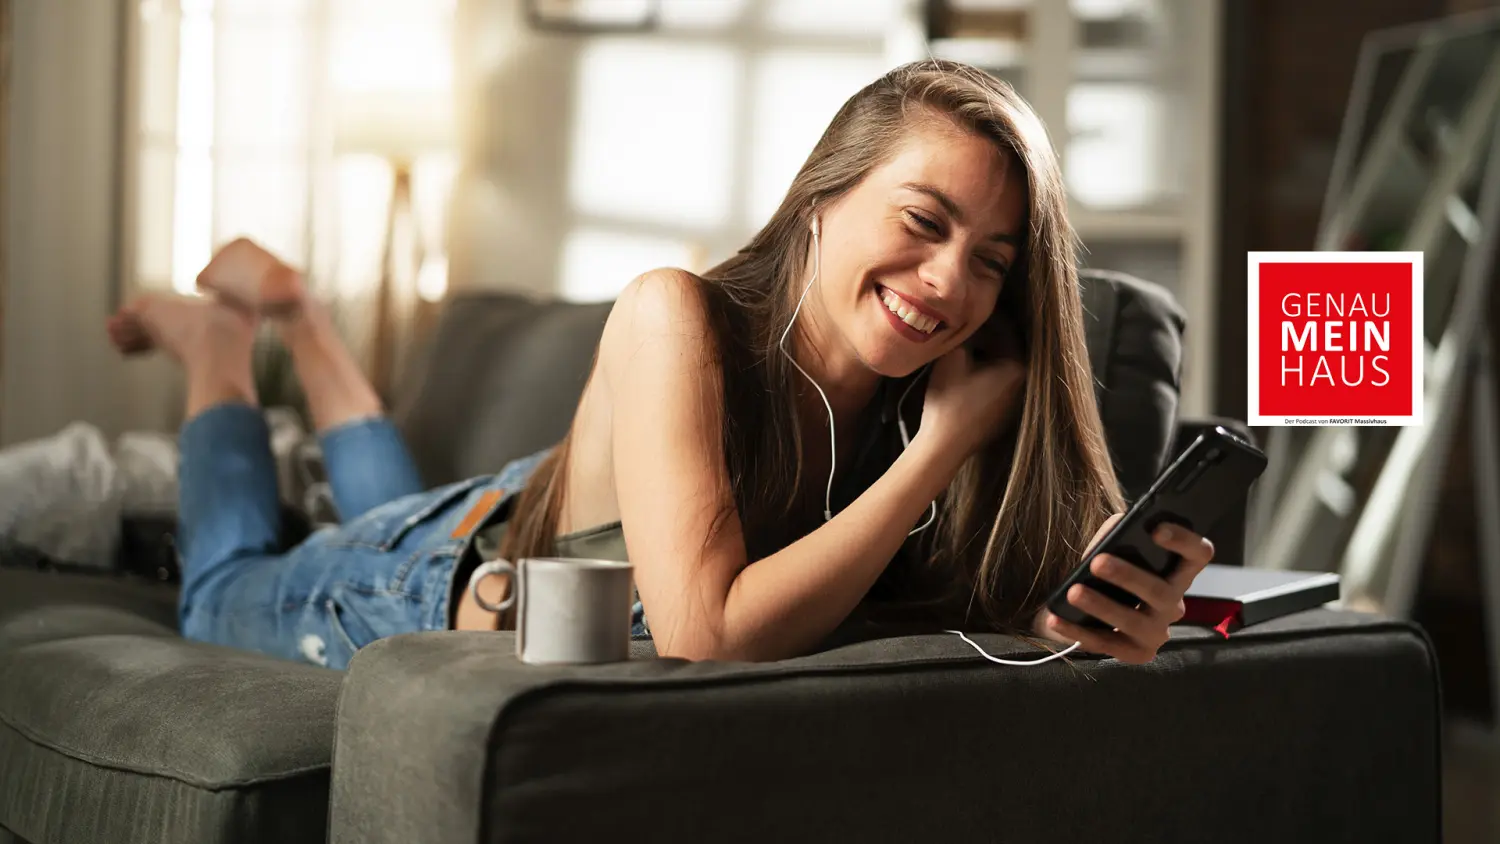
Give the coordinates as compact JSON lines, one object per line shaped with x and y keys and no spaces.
{"x":1227,"y":598}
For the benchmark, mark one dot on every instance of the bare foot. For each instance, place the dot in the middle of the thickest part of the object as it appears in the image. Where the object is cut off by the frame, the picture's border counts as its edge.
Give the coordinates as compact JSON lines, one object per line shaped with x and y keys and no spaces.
{"x":184,"y":326}
{"x":249,"y":278}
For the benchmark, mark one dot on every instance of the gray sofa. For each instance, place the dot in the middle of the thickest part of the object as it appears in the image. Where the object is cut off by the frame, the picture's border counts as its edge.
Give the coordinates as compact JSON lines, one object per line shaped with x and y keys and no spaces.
{"x":1323,"y":726}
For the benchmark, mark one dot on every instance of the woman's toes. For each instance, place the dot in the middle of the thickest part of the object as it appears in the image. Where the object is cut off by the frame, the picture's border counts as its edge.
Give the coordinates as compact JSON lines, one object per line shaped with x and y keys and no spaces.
{"x":127,"y":334}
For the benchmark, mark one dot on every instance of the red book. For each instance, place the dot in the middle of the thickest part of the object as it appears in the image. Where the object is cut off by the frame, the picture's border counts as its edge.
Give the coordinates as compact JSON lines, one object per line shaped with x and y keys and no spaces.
{"x":1227,"y":598}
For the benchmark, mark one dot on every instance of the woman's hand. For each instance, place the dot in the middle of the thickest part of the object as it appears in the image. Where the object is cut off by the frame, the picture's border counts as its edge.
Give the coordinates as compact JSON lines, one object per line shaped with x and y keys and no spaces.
{"x":1138,"y":633}
{"x":967,"y":403}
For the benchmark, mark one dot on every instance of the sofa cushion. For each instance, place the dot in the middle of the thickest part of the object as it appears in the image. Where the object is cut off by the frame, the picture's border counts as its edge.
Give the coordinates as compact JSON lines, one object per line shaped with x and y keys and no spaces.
{"x":112,"y":728}
{"x":500,"y":379}
{"x":38,"y":606}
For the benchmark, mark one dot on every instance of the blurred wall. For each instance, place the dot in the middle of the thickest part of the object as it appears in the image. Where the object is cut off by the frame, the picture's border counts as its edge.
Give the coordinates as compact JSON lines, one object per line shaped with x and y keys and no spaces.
{"x":60,"y":212}
{"x":510,"y":206}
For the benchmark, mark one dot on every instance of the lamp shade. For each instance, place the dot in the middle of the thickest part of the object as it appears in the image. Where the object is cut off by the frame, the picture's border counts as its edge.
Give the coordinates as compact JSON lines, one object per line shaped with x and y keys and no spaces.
{"x":394,"y":124}
{"x":391,"y":69}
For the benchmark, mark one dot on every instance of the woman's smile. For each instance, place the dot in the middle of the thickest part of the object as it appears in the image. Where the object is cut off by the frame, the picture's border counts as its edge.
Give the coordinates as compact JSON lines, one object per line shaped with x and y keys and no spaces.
{"x":911,"y":320}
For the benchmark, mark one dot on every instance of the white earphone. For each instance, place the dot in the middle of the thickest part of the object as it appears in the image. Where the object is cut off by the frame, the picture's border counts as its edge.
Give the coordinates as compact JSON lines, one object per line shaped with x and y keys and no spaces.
{"x":832,"y":440}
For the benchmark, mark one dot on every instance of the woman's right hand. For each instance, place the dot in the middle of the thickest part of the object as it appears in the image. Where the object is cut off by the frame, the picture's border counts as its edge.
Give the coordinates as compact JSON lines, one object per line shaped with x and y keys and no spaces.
{"x":967,"y":403}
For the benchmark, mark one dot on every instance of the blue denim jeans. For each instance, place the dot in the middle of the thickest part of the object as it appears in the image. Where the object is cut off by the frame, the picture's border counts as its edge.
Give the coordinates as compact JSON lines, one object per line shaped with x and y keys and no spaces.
{"x":387,"y":568}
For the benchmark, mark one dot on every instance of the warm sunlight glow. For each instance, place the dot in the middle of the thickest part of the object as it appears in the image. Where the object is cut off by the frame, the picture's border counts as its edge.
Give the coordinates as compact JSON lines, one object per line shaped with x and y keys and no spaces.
{"x":653,"y":132}
{"x":394,"y":56}
{"x":364,"y":197}
{"x":787,"y":127}
{"x":597,"y":263}
{"x":192,"y":217}
{"x":432,"y":279}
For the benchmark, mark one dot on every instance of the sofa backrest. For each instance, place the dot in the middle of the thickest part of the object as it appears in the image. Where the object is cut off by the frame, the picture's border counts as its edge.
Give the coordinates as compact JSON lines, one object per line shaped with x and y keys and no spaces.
{"x":500,"y":378}
{"x":1134,"y":333}
{"x":502,"y":375}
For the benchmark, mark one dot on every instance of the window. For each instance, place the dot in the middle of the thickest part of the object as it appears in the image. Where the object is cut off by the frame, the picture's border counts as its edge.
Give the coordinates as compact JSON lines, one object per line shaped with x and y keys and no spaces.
{"x":244,"y":125}
{"x":684,"y":140}
{"x":654,"y":132}
{"x":221,"y":132}
{"x":795,"y":94}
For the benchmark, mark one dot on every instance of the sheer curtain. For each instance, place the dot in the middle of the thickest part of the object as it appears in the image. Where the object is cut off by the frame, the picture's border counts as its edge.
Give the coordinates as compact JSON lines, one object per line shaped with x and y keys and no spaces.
{"x":235,"y":131}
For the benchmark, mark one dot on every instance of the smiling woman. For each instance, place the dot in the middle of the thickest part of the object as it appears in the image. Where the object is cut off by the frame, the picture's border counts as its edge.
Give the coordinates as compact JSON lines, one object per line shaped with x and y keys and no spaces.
{"x":918,"y":272}
{"x":935,"y":189}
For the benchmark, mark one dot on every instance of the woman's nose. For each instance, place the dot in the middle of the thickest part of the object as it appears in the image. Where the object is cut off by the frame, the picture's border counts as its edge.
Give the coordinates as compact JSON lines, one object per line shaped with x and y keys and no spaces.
{"x":943,"y":271}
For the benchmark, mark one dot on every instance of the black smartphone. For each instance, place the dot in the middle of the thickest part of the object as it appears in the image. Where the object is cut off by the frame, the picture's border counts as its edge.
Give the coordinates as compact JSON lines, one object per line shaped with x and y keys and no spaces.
{"x":1210,"y":476}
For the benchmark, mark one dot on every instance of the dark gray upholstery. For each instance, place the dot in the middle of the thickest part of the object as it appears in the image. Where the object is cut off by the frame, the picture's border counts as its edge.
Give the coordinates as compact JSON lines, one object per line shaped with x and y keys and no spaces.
{"x":1315,"y":727}
{"x":113,"y":729}
{"x":499,"y":381}
{"x":1134,"y":335}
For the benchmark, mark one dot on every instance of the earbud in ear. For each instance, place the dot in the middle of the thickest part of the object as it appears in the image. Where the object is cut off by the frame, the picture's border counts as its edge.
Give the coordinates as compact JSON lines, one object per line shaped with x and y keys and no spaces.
{"x":815,"y":227}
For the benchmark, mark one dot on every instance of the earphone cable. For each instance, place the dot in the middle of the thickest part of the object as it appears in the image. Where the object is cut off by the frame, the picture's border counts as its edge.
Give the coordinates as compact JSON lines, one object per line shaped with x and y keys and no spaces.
{"x":832,"y":444}
{"x":1069,"y":649}
{"x":832,"y":440}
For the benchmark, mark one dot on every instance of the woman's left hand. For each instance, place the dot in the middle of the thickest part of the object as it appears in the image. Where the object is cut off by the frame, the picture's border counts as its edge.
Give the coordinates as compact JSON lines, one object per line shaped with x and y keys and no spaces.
{"x":1138,"y":632}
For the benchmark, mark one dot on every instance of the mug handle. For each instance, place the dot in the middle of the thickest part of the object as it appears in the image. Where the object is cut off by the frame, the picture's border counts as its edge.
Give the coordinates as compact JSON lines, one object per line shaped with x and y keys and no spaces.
{"x":497,"y":566}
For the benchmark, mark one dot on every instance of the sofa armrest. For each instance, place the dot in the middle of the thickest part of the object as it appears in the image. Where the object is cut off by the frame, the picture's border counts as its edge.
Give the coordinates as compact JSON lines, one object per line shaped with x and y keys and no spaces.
{"x":1228,"y":533}
{"x":1274,"y":734}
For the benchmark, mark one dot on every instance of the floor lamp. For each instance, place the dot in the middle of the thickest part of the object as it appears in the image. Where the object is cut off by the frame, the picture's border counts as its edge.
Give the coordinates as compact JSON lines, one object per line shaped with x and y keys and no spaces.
{"x":399,"y":127}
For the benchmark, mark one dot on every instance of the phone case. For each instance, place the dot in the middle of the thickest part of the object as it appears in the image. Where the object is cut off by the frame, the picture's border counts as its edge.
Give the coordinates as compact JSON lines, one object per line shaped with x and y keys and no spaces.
{"x":1195,"y":491}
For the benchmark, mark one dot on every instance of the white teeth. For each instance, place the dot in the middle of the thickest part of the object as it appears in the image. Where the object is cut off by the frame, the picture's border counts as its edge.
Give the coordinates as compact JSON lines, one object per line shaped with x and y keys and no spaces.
{"x":897,"y":306}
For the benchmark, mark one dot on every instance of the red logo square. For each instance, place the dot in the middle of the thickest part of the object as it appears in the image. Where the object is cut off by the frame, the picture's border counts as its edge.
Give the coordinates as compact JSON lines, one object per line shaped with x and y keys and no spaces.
{"x":1336,"y":338}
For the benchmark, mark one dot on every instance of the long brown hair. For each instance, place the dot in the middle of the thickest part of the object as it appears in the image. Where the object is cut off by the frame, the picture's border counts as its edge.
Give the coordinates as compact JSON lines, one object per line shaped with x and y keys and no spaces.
{"x":1016,"y":517}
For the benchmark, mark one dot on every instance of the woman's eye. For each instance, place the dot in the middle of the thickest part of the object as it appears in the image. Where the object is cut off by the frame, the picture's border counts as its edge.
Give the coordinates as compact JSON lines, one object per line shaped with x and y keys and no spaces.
{"x":996,"y":267}
{"x":925,"y":223}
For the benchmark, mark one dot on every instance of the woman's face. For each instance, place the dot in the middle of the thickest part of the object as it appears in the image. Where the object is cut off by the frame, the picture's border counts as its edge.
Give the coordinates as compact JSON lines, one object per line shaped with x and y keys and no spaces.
{"x":931,"y":234}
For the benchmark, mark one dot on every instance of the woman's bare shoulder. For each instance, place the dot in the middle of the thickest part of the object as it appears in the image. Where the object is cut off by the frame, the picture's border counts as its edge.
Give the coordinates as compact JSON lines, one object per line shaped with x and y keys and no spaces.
{"x":660,"y":297}
{"x":662,"y":308}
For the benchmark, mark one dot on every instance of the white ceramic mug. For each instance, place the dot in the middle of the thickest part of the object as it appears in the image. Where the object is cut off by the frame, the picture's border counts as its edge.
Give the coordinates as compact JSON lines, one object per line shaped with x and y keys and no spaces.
{"x":570,"y":611}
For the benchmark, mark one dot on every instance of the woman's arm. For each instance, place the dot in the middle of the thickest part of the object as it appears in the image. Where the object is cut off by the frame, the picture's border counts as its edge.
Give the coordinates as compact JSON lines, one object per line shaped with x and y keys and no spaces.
{"x":703,"y":598}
